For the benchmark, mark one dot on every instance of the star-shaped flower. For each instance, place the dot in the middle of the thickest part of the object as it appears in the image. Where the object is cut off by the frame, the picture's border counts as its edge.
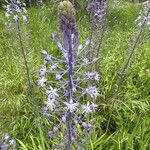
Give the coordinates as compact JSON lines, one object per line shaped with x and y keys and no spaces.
{"x":47,"y":57}
{"x":12,"y":142}
{"x":94,"y":106}
{"x":87,"y":108}
{"x":92,"y":76}
{"x":71,"y":106}
{"x":92,"y":91}
{"x":85,"y":60}
{"x":42,"y":81}
{"x":53,"y":67}
{"x":50,"y":103}
{"x":42,"y":71}
{"x":52,"y":93}
{"x":15,"y":17}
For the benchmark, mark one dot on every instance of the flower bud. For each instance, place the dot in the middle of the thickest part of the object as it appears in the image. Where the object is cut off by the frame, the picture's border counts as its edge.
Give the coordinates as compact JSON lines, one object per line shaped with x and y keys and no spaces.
{"x":66,"y":14}
{"x":67,"y":21}
{"x":66,"y":9}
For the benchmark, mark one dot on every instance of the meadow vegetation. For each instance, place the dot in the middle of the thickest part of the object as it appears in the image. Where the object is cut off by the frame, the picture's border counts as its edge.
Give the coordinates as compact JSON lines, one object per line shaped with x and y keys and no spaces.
{"x":123,"y":125}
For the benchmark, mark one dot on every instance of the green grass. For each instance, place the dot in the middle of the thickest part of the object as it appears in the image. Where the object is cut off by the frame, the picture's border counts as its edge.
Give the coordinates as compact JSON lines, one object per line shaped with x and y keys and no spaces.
{"x":129,"y":123}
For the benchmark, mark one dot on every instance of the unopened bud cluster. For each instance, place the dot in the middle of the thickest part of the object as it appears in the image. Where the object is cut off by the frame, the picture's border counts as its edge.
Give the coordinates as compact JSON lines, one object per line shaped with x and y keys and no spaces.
{"x":97,"y":9}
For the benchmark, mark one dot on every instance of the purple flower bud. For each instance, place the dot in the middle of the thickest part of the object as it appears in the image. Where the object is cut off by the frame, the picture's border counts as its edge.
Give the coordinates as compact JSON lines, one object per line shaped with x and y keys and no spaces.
{"x":47,"y":57}
{"x":68,"y":25}
{"x":44,"y":110}
{"x":42,"y":71}
{"x":97,"y":10}
{"x":85,"y":125}
{"x":64,"y":119}
{"x":90,"y":127}
{"x":50,"y":134}
{"x":6,"y":142}
{"x":92,"y":76}
{"x":42,"y":81}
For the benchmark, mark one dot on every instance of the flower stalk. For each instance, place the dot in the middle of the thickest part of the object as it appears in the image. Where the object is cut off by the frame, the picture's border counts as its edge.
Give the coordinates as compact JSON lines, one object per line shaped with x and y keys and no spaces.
{"x":17,"y":19}
{"x":127,"y":62}
{"x":97,"y":10}
{"x":124,"y":70}
{"x":70,"y":92}
{"x":24,"y":57}
{"x":66,"y":82}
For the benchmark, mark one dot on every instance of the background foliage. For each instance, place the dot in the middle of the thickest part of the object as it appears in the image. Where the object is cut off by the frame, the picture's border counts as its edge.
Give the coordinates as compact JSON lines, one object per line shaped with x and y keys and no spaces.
{"x":129,"y":124}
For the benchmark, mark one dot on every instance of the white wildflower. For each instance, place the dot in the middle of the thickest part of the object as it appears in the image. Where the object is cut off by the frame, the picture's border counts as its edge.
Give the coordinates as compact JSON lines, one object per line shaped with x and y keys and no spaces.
{"x":86,"y":108}
{"x":42,"y":81}
{"x":58,"y":76}
{"x":42,"y":71}
{"x":25,"y":19}
{"x":92,"y":91}
{"x":7,"y":14}
{"x":85,"y":60}
{"x":50,"y":103}
{"x":92,"y":76}
{"x":15,"y":17}
{"x":12,"y":142}
{"x":71,"y":106}
{"x":94,"y":106}
{"x":53,"y":67}
{"x":52,"y":93}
